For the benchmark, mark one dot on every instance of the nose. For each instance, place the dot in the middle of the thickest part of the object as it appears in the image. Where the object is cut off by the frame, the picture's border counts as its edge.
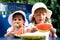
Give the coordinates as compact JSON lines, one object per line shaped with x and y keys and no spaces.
{"x":17,"y":21}
{"x":40,"y":15}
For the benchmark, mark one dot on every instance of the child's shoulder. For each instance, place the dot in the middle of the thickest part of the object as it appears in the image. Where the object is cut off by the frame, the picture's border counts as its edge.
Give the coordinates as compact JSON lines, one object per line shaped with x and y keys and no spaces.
{"x":9,"y":29}
{"x":30,"y":24}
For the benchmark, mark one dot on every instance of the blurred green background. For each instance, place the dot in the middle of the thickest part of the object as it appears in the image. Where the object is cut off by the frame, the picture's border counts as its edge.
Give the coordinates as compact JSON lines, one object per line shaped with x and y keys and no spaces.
{"x":53,"y":5}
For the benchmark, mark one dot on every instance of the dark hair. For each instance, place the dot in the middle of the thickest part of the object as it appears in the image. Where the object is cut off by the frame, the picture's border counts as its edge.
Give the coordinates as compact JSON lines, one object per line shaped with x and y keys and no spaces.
{"x":18,"y":14}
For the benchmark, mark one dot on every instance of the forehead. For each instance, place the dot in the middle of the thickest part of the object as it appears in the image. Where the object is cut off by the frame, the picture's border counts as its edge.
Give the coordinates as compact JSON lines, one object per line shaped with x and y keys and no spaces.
{"x":17,"y":15}
{"x":40,"y":10}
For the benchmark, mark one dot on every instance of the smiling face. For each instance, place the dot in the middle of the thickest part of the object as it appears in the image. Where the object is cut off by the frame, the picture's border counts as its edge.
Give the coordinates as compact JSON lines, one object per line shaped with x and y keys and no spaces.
{"x":40,"y":15}
{"x":18,"y":19}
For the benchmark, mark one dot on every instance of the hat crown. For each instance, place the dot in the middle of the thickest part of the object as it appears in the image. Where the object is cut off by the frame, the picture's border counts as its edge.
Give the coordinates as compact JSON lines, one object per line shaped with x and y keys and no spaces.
{"x":38,"y":5}
{"x":21,"y":12}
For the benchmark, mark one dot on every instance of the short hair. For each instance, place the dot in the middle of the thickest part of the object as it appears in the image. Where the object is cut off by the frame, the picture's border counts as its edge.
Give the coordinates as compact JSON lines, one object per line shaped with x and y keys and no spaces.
{"x":18,"y":14}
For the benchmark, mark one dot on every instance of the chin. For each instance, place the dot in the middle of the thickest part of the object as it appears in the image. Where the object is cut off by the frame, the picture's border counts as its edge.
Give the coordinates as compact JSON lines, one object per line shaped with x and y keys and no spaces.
{"x":40,"y":22}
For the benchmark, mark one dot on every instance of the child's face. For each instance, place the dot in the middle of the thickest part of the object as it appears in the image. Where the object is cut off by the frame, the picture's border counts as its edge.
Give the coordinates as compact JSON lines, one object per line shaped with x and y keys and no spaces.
{"x":18,"y":19}
{"x":39,"y":16}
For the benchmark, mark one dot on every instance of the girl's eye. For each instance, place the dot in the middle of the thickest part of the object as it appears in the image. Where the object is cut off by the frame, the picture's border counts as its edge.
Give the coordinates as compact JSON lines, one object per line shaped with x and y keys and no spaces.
{"x":19,"y":19}
{"x":14,"y":19}
{"x":43,"y":14}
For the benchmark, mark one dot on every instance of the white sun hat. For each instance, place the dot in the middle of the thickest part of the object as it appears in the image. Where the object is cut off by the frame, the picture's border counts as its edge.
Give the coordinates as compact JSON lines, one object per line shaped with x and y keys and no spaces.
{"x":40,"y":5}
{"x":21,"y":12}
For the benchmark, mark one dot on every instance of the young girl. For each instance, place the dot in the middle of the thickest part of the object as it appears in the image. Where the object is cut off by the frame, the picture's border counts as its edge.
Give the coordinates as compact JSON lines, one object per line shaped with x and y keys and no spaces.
{"x":40,"y":14}
{"x":18,"y":22}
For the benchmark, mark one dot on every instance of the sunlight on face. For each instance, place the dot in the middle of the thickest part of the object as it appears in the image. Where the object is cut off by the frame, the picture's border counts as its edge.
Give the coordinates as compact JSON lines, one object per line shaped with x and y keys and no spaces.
{"x":40,"y":15}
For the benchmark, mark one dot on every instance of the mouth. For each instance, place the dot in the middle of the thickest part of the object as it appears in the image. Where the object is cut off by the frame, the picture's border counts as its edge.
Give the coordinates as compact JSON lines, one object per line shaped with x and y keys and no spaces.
{"x":40,"y":19}
{"x":17,"y":23}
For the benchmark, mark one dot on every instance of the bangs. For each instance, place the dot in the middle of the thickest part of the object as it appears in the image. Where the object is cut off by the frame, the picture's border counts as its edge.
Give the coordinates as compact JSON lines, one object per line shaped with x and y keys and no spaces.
{"x":41,"y":10}
{"x":18,"y":14}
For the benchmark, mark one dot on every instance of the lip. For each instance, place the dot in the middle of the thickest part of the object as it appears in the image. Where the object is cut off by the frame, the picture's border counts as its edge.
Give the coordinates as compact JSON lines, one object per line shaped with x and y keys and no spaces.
{"x":17,"y":23}
{"x":40,"y":19}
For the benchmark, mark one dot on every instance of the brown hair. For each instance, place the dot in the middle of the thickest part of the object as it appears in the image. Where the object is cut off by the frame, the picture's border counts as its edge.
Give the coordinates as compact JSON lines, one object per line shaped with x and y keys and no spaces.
{"x":42,"y":10}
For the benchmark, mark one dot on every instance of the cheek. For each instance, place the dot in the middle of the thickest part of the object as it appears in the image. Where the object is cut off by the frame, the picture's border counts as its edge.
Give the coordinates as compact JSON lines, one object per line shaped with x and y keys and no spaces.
{"x":13,"y":22}
{"x":21,"y":21}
